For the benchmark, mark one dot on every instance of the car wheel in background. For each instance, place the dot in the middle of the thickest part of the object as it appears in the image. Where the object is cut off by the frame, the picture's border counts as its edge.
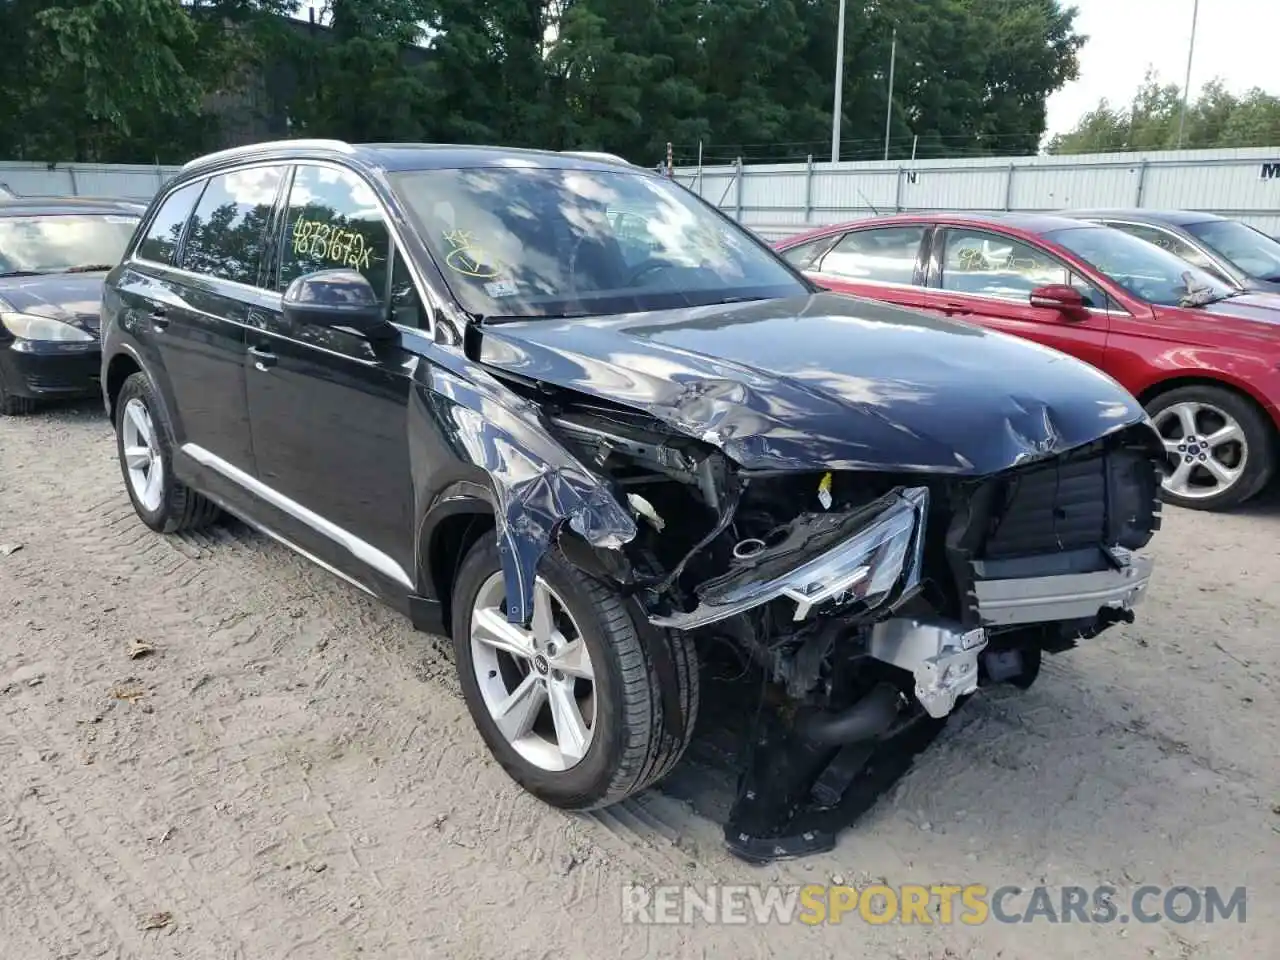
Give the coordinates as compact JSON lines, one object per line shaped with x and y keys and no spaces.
{"x":572,"y":706}
{"x":145,"y":447}
{"x":12,"y":405}
{"x":1221,"y":447}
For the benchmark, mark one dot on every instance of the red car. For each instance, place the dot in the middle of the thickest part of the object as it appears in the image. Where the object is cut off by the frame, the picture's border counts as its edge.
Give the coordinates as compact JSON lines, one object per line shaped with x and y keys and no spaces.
{"x":1203,"y":358}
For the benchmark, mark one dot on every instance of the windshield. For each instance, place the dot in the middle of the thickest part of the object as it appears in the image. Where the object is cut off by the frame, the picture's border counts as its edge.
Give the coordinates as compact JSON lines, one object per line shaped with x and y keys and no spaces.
{"x":1148,"y":272}
{"x":56,"y":243}
{"x":532,"y":242}
{"x":1253,"y":252}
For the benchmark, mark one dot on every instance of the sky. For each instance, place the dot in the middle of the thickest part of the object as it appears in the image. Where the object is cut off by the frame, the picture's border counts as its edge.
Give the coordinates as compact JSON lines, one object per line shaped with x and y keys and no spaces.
{"x":1237,"y":40}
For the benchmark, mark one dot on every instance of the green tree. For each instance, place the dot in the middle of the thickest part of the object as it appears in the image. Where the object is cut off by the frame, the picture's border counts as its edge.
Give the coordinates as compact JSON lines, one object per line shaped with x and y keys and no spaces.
{"x":90,"y":80}
{"x":1217,"y":118}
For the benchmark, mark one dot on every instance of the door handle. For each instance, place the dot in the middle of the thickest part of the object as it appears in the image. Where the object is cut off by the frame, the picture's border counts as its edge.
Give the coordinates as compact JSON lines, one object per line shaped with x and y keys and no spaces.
{"x":951,"y":309}
{"x":262,"y":359}
{"x":159,"y":318}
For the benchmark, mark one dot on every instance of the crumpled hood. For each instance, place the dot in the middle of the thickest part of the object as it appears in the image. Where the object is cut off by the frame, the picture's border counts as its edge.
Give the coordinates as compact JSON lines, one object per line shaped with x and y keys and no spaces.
{"x":827,"y":382}
{"x":74,"y":298}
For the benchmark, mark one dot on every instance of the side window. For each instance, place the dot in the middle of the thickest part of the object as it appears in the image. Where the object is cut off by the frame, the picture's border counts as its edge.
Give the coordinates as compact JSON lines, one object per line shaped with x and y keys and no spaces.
{"x":165,"y":231}
{"x":228,"y":232}
{"x":802,"y":256}
{"x":885,"y":254}
{"x":334,"y":221}
{"x":996,"y":266}
{"x":1093,"y":297}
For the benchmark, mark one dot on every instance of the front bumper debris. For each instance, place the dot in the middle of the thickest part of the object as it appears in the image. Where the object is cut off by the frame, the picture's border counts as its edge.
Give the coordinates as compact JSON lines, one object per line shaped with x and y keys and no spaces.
{"x":941,"y":658}
{"x":1075,"y":596}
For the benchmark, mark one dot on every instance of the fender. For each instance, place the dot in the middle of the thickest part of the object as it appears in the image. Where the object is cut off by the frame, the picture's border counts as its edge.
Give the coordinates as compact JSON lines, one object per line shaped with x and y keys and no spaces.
{"x":507,"y":458}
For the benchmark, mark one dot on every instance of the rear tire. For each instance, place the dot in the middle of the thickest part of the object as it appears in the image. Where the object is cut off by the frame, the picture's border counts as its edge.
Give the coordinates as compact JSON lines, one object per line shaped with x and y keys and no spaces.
{"x":144,"y":445}
{"x":1198,"y":413}
{"x":629,"y":747}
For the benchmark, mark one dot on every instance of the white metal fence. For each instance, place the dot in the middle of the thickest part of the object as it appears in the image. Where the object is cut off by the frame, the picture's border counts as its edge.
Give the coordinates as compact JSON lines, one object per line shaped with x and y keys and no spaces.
{"x":781,"y":199}
{"x":122,"y":181}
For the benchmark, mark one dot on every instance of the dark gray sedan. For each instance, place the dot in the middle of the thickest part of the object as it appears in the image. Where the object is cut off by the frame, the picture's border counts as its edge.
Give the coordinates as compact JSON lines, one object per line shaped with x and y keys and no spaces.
{"x":1241,"y":255}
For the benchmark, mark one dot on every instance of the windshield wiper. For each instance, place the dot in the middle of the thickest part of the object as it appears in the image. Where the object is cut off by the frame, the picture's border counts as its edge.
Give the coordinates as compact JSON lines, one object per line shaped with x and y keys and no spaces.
{"x":1201,"y":296}
{"x":89,"y":268}
{"x":24,"y":273}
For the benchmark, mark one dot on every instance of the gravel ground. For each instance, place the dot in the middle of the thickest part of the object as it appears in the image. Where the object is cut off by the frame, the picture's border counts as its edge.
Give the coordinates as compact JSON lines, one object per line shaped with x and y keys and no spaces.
{"x":290,"y":772}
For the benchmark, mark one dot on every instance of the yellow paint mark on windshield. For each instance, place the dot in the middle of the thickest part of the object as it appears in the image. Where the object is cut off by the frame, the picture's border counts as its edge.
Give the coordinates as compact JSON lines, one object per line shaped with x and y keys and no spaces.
{"x":465,"y":258}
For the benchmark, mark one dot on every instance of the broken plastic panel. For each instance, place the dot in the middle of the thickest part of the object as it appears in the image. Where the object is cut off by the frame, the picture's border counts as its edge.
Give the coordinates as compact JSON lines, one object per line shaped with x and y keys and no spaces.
{"x":879,"y":560}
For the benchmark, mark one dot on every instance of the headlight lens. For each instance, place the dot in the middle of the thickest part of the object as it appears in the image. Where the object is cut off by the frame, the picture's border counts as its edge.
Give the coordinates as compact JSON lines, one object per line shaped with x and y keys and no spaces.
{"x":30,"y":327}
{"x":872,"y":566}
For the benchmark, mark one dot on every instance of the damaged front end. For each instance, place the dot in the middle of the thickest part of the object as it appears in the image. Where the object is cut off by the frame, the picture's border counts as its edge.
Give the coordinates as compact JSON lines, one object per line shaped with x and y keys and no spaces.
{"x":871,"y":602}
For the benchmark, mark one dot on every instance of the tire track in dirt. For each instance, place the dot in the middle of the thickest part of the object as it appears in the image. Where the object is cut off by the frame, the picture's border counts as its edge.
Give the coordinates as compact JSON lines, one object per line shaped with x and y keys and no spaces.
{"x":320,"y":788}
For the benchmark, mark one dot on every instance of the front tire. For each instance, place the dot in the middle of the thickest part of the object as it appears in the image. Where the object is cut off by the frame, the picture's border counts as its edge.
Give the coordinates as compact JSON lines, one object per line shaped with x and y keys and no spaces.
{"x":1221,"y":447}
{"x":572,"y":707}
{"x":144,"y":445}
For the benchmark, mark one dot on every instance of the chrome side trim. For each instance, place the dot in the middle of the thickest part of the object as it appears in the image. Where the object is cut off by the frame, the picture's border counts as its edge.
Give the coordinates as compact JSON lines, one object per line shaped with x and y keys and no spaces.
{"x":311,"y":556}
{"x":366,"y":553}
{"x":1069,"y":597}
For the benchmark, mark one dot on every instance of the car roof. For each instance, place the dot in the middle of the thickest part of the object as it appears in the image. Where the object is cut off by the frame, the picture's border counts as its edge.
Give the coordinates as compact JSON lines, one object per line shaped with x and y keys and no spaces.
{"x":53,"y":206}
{"x":1034,"y":223}
{"x":396,"y":157}
{"x":1176,"y":218}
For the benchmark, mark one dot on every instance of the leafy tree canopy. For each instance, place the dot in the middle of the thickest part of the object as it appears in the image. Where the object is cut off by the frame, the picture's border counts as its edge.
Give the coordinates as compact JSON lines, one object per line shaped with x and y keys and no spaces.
{"x":1216,"y":118}
{"x":145,"y":80}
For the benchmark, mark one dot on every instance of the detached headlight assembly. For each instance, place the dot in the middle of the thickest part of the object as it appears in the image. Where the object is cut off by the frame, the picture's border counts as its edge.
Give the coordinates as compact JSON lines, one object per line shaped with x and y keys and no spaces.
{"x":868,"y":566}
{"x":30,"y":327}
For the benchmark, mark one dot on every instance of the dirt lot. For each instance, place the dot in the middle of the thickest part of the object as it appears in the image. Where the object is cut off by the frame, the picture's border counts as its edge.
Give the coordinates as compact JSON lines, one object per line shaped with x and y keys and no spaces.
{"x":291,"y":773}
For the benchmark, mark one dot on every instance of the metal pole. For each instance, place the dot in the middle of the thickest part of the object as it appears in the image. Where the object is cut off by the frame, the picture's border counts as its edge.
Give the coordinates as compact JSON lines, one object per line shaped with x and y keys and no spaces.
{"x":1186,"y":86}
{"x":835,"y":111}
{"x":699,"y":168}
{"x":914,"y":140}
{"x":888,"y":117}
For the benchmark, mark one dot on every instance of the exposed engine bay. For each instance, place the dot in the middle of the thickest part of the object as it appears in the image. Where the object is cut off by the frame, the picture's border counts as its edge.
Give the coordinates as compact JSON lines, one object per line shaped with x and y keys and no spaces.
{"x":872,"y":602}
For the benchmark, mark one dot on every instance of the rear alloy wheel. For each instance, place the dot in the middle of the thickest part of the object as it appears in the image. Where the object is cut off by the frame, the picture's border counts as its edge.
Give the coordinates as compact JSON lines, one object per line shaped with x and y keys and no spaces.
{"x":1219,"y":447}
{"x":570,"y":705}
{"x":146,"y":460}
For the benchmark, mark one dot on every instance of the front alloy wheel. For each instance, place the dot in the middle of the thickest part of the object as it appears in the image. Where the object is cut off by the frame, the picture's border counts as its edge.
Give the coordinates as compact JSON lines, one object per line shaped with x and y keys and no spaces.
{"x":585,"y":705}
{"x":1218,"y":446}
{"x":537,"y":681}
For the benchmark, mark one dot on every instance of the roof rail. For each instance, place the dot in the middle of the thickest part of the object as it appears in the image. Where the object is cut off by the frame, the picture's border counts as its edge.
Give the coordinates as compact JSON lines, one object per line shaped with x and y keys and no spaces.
{"x":250,"y":148}
{"x":597,"y":155}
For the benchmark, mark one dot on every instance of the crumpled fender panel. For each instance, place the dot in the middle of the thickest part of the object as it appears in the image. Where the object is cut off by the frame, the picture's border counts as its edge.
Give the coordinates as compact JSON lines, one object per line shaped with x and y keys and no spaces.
{"x":537,"y":485}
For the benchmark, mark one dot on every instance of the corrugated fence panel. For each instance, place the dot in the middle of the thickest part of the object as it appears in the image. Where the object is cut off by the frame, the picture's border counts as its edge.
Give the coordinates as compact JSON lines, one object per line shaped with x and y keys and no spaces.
{"x":1243,"y":183}
{"x":768,"y":192}
{"x":1236,"y":187}
{"x":935,"y":187}
{"x":854,"y":190}
{"x":1056,"y":187}
{"x":126,"y":181}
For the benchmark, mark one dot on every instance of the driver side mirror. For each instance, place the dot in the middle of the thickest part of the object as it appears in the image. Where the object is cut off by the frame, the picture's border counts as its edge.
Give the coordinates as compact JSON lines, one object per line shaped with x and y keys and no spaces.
{"x":337,"y":298}
{"x":1060,"y":296}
